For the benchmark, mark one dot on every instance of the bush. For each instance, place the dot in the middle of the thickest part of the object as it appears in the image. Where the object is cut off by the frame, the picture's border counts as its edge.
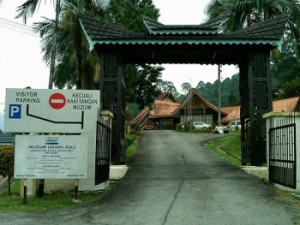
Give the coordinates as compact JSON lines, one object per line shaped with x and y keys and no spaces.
{"x":7,"y":163}
{"x":137,"y":127}
{"x":179,"y":127}
{"x":129,"y":140}
{"x":187,"y":126}
{"x":131,"y":146}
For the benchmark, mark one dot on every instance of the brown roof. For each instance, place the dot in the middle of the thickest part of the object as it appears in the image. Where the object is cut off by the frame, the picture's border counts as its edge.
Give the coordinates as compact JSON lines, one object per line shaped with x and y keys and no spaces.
{"x":195,"y":92}
{"x":286,"y":105}
{"x":233,"y":113}
{"x":283,"y":105}
{"x":164,"y":108}
{"x":167,"y":96}
{"x":142,"y":117}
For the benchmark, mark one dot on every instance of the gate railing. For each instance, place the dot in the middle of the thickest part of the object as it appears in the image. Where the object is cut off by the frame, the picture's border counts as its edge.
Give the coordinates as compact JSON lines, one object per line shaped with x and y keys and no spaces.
{"x":103,"y":147}
{"x":282,"y":152}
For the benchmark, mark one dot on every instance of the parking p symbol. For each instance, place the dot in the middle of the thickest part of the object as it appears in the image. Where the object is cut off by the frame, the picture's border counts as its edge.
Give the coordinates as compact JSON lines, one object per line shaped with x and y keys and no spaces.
{"x":15,"y":111}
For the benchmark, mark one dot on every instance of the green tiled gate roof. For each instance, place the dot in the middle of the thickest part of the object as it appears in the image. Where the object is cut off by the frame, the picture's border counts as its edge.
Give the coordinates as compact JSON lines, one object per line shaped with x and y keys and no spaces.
{"x":186,"y":44}
{"x":267,"y":33}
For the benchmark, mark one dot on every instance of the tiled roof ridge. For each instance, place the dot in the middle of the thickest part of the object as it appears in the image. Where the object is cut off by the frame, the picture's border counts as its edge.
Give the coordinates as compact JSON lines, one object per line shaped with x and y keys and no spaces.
{"x":165,"y":102}
{"x":279,"y":22}
{"x":149,"y":21}
{"x":277,"y":100}
{"x":157,"y":25}
{"x":269,"y":33}
{"x":156,"y":28}
{"x":168,"y":95}
{"x":197,"y":93}
{"x":100,"y":25}
{"x":143,"y":115}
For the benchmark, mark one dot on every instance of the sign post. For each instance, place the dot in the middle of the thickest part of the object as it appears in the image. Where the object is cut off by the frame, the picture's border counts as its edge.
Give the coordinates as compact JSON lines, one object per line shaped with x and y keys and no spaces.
{"x":72,"y":112}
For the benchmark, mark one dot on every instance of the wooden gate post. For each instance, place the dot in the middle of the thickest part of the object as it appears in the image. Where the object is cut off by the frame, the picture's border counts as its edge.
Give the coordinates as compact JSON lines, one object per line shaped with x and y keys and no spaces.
{"x":256,"y":99}
{"x":112,"y":91}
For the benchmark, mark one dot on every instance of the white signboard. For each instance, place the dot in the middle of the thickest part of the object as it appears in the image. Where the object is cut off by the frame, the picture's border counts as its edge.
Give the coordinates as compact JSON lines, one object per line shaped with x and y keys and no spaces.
{"x":50,"y":110}
{"x":51,"y":157}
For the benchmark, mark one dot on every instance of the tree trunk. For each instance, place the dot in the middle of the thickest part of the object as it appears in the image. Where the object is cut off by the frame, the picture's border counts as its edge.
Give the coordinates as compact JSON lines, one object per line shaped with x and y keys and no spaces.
{"x":8,"y":184}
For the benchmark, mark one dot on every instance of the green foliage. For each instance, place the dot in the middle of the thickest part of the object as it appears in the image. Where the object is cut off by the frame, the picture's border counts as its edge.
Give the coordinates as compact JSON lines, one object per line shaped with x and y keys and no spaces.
{"x":165,"y":86}
{"x":141,"y":84}
{"x":140,"y":79}
{"x":179,"y":127}
{"x":137,"y":128}
{"x":129,"y":14}
{"x":7,"y":162}
{"x":237,"y":14}
{"x":131,"y":145}
{"x":228,"y":147}
{"x":55,"y":200}
{"x":134,"y":108}
{"x":285,"y":72}
{"x":185,"y":126}
{"x":76,"y":66}
{"x":129,"y":140}
{"x":186,"y":87}
{"x":230,"y":95}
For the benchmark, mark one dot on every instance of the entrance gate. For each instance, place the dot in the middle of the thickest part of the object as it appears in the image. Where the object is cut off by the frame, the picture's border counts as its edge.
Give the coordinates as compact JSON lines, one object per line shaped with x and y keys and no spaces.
{"x":249,"y":48}
{"x":282,"y":153}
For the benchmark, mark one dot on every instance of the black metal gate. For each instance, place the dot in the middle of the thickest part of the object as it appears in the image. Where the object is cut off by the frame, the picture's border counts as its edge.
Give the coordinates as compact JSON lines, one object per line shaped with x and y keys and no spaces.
{"x":282,"y":152}
{"x":103,"y":143}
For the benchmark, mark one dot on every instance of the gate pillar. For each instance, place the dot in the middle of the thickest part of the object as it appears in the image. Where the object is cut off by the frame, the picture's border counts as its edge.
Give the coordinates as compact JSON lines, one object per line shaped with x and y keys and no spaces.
{"x":112,"y":89}
{"x":256,"y":99}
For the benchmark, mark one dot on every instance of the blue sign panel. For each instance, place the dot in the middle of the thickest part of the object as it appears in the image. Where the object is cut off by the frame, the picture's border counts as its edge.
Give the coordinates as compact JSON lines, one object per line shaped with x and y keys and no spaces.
{"x":15,"y":111}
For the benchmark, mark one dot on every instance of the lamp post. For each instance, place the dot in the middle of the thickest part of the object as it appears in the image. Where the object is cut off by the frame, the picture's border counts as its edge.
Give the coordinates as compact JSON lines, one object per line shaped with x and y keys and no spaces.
{"x":219,"y":95}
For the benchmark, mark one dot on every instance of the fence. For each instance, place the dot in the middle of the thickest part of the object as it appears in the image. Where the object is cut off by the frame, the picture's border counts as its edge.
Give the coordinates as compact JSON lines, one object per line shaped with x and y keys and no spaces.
{"x":103,"y":146}
{"x":282,"y":149}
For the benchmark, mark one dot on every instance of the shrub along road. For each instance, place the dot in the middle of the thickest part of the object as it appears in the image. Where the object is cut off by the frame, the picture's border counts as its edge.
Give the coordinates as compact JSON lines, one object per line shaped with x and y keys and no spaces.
{"x":173,"y":180}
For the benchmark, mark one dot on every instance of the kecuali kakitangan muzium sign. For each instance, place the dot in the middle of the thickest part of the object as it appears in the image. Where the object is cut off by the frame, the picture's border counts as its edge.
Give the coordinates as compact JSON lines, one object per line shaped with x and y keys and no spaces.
{"x":44,"y":110}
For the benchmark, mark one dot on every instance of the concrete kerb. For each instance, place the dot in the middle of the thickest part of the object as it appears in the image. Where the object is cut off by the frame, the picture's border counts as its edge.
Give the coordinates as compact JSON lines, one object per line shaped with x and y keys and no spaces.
{"x":263,"y":174}
{"x":3,"y":181}
{"x":117,"y":171}
{"x":260,"y":172}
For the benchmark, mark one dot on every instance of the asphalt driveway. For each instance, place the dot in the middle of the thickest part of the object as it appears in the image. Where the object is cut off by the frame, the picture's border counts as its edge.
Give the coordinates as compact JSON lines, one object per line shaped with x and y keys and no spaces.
{"x":173,"y":180}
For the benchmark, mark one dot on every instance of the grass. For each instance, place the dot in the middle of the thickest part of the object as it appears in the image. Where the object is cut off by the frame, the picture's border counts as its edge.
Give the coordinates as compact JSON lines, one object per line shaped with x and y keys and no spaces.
{"x":55,"y":200}
{"x":131,"y":150}
{"x":227,"y":147}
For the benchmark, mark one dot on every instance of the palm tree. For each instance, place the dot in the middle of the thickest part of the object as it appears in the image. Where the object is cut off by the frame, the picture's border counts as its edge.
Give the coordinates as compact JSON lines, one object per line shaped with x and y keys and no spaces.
{"x":140,"y":79}
{"x":75,"y":65}
{"x":236,"y":14}
{"x":186,"y":87}
{"x":28,"y":9}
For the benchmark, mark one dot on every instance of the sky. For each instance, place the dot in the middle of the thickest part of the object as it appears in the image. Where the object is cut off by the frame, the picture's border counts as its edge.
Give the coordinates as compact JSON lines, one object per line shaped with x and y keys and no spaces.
{"x":189,"y":12}
{"x":21,"y":62}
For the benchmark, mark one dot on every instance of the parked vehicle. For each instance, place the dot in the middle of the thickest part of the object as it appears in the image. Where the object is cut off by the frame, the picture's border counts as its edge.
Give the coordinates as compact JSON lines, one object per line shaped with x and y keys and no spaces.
{"x":234,"y":124}
{"x":221,"y":130}
{"x":198,"y":125}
